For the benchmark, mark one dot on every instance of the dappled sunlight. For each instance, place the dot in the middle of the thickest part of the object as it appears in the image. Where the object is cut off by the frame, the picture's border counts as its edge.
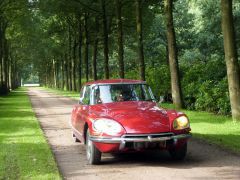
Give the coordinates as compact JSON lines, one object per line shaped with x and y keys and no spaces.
{"x":24,"y":152}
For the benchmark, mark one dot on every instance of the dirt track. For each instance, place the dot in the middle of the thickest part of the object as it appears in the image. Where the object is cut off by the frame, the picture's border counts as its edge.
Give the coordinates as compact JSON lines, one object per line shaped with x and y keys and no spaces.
{"x":203,"y":161}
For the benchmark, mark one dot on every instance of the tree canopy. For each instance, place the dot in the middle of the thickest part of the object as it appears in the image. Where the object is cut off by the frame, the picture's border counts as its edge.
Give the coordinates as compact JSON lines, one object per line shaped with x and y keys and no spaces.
{"x":65,"y":43}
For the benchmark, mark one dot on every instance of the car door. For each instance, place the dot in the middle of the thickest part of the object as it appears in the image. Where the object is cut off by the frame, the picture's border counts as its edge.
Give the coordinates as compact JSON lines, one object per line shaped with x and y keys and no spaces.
{"x":83,"y":108}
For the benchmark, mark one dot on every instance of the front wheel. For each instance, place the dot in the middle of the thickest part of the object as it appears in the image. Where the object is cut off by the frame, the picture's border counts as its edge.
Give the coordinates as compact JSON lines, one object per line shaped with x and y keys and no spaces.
{"x":93,"y":154}
{"x":180,"y":153}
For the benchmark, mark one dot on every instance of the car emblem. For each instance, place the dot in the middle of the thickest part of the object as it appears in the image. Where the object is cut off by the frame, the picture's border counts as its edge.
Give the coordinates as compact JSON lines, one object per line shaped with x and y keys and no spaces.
{"x":150,"y":138}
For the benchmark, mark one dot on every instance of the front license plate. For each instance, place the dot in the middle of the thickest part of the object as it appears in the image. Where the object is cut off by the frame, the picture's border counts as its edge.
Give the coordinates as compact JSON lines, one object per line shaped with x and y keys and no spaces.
{"x":162,"y":144}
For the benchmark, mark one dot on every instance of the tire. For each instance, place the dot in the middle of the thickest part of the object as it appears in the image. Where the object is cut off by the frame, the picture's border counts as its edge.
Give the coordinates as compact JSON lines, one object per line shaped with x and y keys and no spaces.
{"x":180,"y":153}
{"x":75,"y":139}
{"x":93,"y":154}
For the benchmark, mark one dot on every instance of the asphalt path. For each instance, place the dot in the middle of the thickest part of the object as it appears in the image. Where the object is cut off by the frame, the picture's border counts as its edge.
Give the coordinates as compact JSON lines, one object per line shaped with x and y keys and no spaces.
{"x":203,"y":161}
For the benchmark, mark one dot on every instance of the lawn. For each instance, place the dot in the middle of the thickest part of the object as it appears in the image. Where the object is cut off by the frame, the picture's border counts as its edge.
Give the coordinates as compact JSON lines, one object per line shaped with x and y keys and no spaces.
{"x":70,"y":94}
{"x":216,"y":129}
{"x":24,"y":151}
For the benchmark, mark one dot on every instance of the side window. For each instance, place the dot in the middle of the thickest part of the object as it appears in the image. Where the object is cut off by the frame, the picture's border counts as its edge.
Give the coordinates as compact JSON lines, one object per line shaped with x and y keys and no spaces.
{"x":81,"y":94}
{"x":82,"y":91}
{"x":86,"y":95}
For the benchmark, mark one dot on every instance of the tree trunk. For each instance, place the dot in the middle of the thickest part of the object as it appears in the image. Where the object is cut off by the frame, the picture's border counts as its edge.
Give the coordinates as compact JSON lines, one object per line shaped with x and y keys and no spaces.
{"x":95,"y":48}
{"x":1,"y":60}
{"x":79,"y":55}
{"x":70,"y":59}
{"x":120,"y":38}
{"x":105,"y":39}
{"x":74,"y":65}
{"x":54,"y":73}
{"x":233,"y":73}
{"x":66,"y":71}
{"x":140,"y":39}
{"x":62,"y":72}
{"x":173,"y":61}
{"x":5,"y":64}
{"x":86,"y":46}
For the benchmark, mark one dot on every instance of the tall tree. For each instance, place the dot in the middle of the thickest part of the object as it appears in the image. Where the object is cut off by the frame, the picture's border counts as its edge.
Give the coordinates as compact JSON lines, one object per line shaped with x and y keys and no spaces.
{"x":105,"y":39}
{"x":173,"y":59}
{"x":120,"y":38}
{"x":95,"y":49}
{"x":140,"y":38}
{"x":79,"y":52}
{"x":85,"y":39}
{"x":233,"y":73}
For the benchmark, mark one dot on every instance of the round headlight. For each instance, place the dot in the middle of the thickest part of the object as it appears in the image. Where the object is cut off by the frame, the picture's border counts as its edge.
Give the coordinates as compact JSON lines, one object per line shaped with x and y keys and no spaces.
{"x":107,"y":126}
{"x":181,"y":122}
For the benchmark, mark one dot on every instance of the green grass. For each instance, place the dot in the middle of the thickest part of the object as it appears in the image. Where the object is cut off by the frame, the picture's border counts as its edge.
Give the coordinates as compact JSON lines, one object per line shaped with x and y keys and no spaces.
{"x":216,"y":129}
{"x":24,"y":152}
{"x":70,"y":94}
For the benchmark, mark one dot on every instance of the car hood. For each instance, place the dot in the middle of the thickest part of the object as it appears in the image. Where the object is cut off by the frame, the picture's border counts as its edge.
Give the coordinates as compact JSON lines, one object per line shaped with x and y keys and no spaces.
{"x":135,"y":116}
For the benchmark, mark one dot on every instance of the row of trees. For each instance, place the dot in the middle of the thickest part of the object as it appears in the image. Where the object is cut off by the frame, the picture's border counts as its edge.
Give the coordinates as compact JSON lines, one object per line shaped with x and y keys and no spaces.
{"x":175,"y":46}
{"x":81,"y":19}
{"x":11,"y":66}
{"x":89,"y":26}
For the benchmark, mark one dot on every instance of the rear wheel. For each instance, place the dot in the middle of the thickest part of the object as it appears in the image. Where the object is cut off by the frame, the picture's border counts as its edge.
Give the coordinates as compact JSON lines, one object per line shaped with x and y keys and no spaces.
{"x":180,"y":153}
{"x":93,"y":154}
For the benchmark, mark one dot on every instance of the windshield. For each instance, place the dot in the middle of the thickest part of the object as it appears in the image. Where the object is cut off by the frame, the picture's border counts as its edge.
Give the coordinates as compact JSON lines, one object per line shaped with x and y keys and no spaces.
{"x":122,"y":92}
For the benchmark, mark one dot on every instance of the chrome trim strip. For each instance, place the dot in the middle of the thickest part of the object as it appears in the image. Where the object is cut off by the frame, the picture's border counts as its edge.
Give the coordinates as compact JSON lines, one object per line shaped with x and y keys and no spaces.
{"x":159,"y":134}
{"x":148,"y":138}
{"x":100,"y":84}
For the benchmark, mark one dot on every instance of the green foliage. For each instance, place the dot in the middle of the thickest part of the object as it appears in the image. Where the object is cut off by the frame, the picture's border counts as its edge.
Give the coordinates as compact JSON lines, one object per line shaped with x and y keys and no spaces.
{"x":213,"y":96}
{"x":45,"y":28}
{"x":159,"y":80}
{"x":205,"y":88}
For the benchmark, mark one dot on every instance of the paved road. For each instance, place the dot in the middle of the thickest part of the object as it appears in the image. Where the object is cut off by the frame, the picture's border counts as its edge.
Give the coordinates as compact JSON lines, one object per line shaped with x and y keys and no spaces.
{"x":203,"y":161}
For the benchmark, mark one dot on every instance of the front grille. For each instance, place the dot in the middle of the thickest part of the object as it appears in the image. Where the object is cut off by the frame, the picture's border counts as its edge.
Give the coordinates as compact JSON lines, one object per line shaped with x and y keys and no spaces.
{"x":147,"y":135}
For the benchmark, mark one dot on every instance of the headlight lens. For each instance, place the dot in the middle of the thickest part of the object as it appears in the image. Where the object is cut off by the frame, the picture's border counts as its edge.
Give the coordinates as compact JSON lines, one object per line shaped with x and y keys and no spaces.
{"x":181,"y":122}
{"x":107,"y":126}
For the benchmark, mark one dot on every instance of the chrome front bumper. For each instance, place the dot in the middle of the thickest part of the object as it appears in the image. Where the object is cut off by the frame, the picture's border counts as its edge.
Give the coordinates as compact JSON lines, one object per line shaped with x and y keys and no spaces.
{"x":140,"y":138}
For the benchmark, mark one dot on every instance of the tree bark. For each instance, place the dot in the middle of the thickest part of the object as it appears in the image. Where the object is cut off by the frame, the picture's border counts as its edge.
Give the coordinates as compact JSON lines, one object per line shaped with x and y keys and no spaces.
{"x":74,"y":65}
{"x":62,"y":72}
{"x":173,"y":59}
{"x":140,"y":38}
{"x":5,"y":64}
{"x":70,"y":59}
{"x":86,"y":46}
{"x":54,"y":72}
{"x":120,"y":38}
{"x":95,"y":50}
{"x":1,"y":58}
{"x":79,"y":54}
{"x":105,"y":39}
{"x":66,"y":71}
{"x":233,"y":73}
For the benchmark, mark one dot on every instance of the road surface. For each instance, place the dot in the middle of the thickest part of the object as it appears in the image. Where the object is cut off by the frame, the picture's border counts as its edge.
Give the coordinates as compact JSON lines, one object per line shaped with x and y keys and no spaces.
{"x":203,"y":161}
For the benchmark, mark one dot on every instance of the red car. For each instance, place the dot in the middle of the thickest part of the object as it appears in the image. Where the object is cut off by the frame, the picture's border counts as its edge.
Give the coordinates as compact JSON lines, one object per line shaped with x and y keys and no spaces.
{"x":121,"y":115}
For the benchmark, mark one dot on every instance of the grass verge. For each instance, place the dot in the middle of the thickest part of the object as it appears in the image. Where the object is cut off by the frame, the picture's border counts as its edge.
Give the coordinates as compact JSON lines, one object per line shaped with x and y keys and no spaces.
{"x":216,"y":129}
{"x":24,"y":152}
{"x":70,"y":94}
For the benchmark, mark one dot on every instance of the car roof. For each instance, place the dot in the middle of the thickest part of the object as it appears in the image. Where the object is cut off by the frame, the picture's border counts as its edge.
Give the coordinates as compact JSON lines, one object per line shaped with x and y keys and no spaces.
{"x":116,"y":81}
